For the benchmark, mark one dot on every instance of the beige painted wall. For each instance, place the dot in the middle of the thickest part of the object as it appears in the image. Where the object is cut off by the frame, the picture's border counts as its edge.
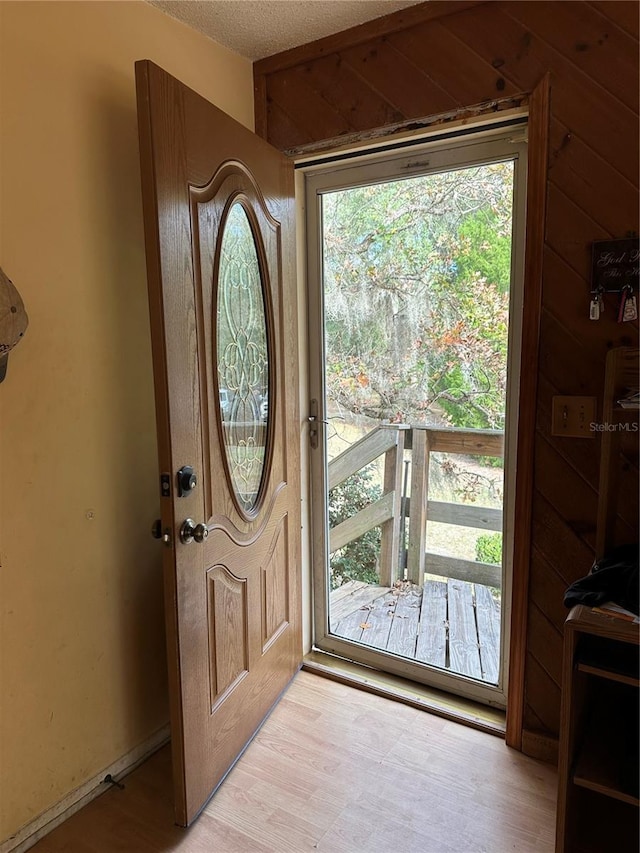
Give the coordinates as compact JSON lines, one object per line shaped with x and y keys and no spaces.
{"x":82,"y":666}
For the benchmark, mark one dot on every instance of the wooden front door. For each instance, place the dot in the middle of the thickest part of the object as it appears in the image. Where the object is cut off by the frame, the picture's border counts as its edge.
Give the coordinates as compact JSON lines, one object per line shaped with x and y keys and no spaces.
{"x":219,"y":221}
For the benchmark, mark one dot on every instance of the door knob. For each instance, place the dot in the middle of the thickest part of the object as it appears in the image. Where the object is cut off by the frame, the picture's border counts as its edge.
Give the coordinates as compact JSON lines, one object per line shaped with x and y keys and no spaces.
{"x":191,"y":531}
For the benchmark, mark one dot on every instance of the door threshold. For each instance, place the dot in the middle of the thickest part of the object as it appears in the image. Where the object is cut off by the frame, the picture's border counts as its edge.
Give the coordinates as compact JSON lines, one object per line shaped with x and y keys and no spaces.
{"x":447,"y":705}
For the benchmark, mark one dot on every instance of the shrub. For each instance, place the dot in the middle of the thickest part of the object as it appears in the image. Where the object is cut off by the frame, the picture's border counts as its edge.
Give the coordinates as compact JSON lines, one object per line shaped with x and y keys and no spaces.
{"x":489,"y":548}
{"x":358,"y":560}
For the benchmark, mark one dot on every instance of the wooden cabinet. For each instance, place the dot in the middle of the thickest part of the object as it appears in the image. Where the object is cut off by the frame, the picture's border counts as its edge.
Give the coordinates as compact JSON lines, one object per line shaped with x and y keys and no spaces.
{"x":598,"y":758}
{"x":599,"y":718}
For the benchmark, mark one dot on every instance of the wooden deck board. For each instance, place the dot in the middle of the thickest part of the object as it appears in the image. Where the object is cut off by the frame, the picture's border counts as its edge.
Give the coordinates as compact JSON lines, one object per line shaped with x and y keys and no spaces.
{"x":464,"y":655}
{"x":379,"y":618}
{"x":356,"y":598}
{"x":488,"y":620}
{"x":452,"y":625}
{"x":431,"y":645}
{"x":346,"y":589}
{"x":406,"y":619}
{"x":350,"y":627}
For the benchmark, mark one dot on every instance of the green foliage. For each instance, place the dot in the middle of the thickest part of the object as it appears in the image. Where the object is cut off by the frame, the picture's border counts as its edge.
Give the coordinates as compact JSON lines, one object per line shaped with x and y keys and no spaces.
{"x":456,"y":388}
{"x":490,"y":461}
{"x":489,"y":548}
{"x":358,"y":560}
{"x":488,"y":249}
{"x":416,"y":277}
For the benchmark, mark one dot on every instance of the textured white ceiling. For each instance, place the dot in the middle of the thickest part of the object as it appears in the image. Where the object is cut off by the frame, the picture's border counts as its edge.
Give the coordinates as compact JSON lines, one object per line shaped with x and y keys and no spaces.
{"x":259,"y":28}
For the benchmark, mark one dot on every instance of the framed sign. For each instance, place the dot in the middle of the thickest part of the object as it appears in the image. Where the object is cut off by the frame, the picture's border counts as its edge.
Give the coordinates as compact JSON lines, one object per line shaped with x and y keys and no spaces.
{"x":615,"y":264}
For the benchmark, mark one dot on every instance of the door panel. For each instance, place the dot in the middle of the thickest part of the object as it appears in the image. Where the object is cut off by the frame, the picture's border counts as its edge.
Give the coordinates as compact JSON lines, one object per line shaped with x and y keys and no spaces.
{"x":232,"y":600}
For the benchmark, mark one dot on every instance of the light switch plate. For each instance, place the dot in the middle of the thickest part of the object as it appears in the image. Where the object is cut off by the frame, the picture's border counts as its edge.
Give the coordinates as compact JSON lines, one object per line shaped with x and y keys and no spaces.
{"x":573,"y":416}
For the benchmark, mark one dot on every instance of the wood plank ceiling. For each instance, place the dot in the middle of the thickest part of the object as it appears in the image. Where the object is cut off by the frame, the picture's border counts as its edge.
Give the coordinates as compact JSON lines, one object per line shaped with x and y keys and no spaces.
{"x":446,"y":56}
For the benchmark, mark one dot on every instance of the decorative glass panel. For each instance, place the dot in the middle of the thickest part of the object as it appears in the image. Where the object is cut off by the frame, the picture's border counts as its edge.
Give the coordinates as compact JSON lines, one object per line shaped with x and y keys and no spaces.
{"x":243,"y":358}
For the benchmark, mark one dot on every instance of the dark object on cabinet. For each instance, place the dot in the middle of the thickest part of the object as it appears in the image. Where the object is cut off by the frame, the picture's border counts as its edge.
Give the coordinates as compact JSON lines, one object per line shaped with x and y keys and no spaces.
{"x":612,"y":578}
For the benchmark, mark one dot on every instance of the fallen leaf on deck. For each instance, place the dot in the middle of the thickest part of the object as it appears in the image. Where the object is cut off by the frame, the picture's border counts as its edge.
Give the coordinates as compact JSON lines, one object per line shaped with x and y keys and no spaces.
{"x":364,"y":625}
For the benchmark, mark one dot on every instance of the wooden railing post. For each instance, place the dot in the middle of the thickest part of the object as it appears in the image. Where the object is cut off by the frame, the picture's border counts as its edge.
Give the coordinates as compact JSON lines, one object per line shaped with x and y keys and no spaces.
{"x":418,"y":513}
{"x":390,"y":543}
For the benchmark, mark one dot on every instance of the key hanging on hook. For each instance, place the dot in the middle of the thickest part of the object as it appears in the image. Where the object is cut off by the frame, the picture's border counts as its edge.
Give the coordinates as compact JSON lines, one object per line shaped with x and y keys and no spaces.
{"x":628,"y":305}
{"x":622,"y":302}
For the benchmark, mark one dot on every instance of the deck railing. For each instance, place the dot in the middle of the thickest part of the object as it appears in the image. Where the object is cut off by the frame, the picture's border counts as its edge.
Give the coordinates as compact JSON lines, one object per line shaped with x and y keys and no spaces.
{"x":392,"y":509}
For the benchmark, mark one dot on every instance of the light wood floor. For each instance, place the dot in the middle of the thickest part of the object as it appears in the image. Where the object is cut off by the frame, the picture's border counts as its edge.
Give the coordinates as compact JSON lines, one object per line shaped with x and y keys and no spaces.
{"x":337,"y":770}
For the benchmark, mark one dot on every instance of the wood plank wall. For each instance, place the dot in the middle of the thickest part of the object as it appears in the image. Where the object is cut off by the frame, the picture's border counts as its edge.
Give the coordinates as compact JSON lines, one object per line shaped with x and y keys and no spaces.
{"x":443,"y":56}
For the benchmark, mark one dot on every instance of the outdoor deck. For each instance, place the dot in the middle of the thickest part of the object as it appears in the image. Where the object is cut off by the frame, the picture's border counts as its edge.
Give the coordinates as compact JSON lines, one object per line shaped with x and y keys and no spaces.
{"x":450,"y":624}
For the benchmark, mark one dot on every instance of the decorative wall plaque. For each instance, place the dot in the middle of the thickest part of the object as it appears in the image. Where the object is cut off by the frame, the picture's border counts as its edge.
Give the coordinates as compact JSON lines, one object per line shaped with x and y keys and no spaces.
{"x":615,"y":264}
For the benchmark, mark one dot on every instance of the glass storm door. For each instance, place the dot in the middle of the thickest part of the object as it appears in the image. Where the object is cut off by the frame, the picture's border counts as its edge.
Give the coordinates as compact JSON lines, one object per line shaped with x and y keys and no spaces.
{"x":415,"y":266}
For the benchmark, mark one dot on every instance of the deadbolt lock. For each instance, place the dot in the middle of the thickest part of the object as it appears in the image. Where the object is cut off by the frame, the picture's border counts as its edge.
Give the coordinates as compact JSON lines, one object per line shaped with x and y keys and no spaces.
{"x":187,"y":481}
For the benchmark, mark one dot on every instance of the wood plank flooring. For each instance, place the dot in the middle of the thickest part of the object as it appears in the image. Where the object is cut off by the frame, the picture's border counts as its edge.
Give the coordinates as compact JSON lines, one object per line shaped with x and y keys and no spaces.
{"x":450,"y":624}
{"x":337,"y":770}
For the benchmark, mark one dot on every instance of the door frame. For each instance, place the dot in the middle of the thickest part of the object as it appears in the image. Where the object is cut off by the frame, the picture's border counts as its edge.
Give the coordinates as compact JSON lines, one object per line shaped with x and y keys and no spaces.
{"x":538,"y":163}
{"x":537,"y":104}
{"x":478,"y":143}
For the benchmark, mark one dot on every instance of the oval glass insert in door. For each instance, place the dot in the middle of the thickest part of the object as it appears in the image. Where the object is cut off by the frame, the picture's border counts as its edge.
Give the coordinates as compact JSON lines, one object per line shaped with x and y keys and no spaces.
{"x":242,"y":358}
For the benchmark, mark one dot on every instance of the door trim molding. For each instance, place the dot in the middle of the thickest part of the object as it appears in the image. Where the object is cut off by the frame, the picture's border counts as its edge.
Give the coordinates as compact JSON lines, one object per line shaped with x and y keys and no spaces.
{"x":47,"y":821}
{"x":538,"y":158}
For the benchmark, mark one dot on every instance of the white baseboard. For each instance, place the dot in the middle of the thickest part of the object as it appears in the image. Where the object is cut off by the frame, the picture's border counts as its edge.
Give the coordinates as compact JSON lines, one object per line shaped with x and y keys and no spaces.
{"x":40,"y":826}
